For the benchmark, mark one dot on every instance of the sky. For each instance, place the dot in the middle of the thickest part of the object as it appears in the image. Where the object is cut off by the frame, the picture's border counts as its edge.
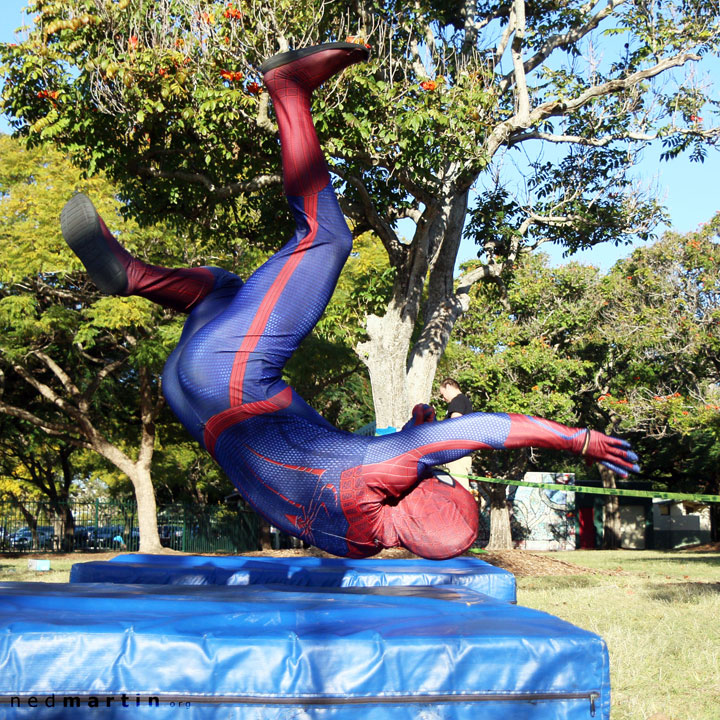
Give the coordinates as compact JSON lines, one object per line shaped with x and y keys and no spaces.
{"x":689,"y":190}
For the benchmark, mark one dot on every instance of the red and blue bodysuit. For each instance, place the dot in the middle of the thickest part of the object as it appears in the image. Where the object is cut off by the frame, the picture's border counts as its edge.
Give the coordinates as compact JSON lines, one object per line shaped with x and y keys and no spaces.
{"x":349,"y":495}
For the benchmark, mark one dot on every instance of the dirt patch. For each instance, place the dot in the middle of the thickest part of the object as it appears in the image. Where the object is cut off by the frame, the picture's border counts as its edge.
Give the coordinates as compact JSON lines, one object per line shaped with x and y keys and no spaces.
{"x":74,"y":557}
{"x":522,"y":563}
{"x":709,"y":547}
{"x":519,"y":562}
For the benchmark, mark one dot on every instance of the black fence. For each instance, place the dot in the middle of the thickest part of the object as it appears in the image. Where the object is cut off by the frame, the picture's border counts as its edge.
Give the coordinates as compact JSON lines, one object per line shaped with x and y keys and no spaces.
{"x":36,"y":526}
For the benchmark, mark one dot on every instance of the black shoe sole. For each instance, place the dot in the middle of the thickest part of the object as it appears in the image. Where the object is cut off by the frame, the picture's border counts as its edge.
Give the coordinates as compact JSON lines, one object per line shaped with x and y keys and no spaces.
{"x":80,"y":225}
{"x":287,"y":57}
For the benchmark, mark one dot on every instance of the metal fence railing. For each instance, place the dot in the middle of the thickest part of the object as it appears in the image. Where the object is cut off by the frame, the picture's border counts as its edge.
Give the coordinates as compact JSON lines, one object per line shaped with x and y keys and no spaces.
{"x":37,"y":526}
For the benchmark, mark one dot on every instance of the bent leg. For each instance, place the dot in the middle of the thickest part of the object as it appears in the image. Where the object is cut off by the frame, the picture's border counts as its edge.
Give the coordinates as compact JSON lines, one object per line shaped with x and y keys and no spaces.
{"x":248,"y":345}
{"x":282,"y":301}
{"x":116,"y":272}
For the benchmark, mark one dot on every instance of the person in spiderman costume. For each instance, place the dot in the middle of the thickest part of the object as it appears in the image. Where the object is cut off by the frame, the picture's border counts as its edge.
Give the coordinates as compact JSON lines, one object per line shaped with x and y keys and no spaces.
{"x":349,"y":495}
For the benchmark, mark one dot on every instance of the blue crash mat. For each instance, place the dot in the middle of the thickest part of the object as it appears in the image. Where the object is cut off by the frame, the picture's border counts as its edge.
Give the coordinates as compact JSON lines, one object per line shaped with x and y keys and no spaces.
{"x":258,"y":653}
{"x":298,"y":571}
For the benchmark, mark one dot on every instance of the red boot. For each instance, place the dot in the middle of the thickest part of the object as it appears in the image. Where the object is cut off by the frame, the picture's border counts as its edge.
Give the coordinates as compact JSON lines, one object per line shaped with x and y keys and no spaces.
{"x":116,"y":272}
{"x":290,"y":78}
{"x":310,"y":67}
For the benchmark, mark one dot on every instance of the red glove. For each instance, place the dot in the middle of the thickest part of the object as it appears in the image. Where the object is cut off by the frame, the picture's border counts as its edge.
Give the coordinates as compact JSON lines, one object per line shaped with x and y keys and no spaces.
{"x":421,"y":413}
{"x":610,"y":451}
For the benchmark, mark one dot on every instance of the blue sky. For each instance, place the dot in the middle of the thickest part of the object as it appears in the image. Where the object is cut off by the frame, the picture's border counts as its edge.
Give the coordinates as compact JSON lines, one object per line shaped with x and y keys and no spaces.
{"x":688,"y":189}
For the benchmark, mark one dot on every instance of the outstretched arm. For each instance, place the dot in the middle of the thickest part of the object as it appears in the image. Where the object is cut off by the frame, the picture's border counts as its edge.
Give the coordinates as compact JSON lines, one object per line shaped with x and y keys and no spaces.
{"x":435,"y":518}
{"x":594,"y":446}
{"x":439,"y":443}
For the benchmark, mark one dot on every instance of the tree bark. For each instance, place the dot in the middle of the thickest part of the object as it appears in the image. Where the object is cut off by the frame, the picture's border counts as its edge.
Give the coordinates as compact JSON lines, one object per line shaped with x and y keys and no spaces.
{"x":500,"y":532}
{"x":385,"y":355}
{"x":401,"y":376}
{"x":714,"y":522}
{"x":611,"y":525}
{"x":264,"y":535}
{"x":444,"y":305}
{"x":147,"y":510}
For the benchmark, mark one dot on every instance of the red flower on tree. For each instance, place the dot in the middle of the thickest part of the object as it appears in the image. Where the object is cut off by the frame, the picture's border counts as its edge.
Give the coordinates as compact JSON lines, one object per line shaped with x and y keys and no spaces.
{"x":428,"y":85}
{"x":231,"y":76}
{"x":358,"y":40}
{"x":133,"y":42}
{"x":253,"y":88}
{"x":232,"y":13}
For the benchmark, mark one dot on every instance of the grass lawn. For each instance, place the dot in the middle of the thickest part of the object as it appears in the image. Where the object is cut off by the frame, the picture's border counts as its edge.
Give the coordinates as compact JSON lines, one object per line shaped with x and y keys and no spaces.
{"x":659,"y":613}
{"x":14,"y":568}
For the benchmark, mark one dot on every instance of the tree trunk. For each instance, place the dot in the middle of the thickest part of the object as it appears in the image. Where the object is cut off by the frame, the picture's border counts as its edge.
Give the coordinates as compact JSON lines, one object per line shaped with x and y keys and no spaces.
{"x":142,"y":482}
{"x":66,"y":527}
{"x":385,"y":355}
{"x":443,"y":306}
{"x":147,"y":510}
{"x":714,"y":522}
{"x":611,"y":525}
{"x":401,"y":376}
{"x":500,"y":533}
{"x":141,"y":479}
{"x":264,"y":536}
{"x":67,"y":521}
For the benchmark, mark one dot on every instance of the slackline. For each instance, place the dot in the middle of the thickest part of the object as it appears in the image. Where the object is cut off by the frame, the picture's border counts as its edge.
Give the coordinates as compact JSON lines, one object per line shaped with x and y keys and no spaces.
{"x":597,"y":490}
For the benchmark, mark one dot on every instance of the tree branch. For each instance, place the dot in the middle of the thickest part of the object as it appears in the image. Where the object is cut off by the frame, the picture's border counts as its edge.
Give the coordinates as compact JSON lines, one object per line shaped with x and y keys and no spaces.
{"x":263,"y":119}
{"x":517,"y":16}
{"x":51,"y":428}
{"x":557,"y":41}
{"x":59,"y":373}
{"x":95,"y":384}
{"x":708,"y":134}
{"x":386,"y":234}
{"x":221,"y":193}
{"x":47,"y":392}
{"x":503,"y":132}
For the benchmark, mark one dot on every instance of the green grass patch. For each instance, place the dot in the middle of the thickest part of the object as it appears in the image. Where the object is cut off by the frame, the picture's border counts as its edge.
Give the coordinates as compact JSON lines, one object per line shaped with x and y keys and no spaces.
{"x":14,"y":568}
{"x":657,"y":612}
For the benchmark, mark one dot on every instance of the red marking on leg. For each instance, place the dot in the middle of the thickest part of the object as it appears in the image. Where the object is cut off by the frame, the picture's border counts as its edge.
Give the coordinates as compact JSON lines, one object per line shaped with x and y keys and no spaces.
{"x":314,"y":471}
{"x":308,"y":514}
{"x":180,"y":289}
{"x":217,"y":424}
{"x":259,"y":323}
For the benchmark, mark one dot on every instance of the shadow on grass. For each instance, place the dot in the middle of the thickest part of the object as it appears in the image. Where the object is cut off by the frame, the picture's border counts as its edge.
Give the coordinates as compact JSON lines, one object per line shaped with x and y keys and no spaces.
{"x":559,"y":582}
{"x":657,"y":556}
{"x":683,"y":592}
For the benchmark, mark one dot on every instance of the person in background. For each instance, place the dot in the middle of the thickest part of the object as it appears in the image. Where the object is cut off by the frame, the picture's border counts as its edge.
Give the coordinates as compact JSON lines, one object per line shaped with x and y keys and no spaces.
{"x":458,"y":404}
